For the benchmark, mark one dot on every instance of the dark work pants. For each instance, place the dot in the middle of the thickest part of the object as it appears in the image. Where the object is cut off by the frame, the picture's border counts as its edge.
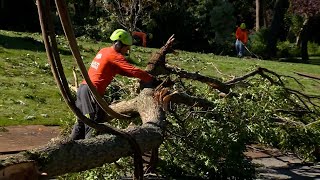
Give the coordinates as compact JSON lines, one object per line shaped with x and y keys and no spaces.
{"x":90,"y":108}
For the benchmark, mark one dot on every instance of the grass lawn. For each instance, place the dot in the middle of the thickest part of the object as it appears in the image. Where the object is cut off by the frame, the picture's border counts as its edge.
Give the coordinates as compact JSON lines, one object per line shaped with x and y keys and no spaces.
{"x":29,"y":94}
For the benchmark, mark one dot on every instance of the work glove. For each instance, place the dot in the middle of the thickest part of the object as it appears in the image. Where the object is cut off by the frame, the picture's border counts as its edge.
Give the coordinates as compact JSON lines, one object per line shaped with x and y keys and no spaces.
{"x":156,"y":82}
{"x":152,"y":84}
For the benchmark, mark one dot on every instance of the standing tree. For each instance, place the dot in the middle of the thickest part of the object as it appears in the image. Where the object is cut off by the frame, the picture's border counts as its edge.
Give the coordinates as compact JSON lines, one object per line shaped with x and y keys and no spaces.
{"x":307,"y":9}
{"x":81,"y":10}
{"x":130,"y":13}
{"x":258,"y":9}
{"x":261,"y":13}
{"x":277,"y":25}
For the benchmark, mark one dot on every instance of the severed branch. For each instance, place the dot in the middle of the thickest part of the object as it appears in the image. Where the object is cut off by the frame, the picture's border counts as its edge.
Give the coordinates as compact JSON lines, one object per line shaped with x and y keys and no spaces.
{"x":301,"y":112}
{"x":287,"y":121}
{"x":183,"y":98}
{"x":214,"y":83}
{"x":74,"y":87}
{"x":261,"y":72}
{"x":308,"y":75}
{"x":156,"y":64}
{"x":301,"y":96}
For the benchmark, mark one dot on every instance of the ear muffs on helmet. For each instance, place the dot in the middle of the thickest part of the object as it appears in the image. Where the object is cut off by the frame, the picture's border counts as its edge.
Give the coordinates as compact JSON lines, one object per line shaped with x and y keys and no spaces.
{"x":118,"y":45}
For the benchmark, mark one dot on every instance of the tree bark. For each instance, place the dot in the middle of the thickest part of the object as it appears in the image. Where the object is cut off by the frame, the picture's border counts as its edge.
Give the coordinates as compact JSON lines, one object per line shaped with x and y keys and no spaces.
{"x":57,"y":158}
{"x":264,"y":13}
{"x":257,"y":15}
{"x":68,"y":156}
{"x":276,"y":27}
{"x":74,"y":156}
{"x":82,"y":9}
{"x":304,"y":37}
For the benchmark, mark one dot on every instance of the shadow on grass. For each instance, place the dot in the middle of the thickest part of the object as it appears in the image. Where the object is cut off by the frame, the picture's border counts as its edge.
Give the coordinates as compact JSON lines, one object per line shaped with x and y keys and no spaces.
{"x":314,"y":60}
{"x":26,"y":43}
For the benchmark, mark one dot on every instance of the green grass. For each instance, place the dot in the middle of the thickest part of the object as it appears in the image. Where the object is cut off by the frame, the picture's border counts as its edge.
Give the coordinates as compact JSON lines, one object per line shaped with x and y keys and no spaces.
{"x":29,"y":94}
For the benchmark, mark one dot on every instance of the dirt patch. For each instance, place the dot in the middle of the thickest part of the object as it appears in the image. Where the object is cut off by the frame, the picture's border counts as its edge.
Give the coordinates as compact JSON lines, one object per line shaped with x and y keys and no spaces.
{"x":18,"y":138}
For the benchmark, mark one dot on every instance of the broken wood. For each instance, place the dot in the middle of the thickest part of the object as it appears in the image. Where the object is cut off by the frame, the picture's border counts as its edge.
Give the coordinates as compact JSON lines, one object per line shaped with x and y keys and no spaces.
{"x":58,"y":158}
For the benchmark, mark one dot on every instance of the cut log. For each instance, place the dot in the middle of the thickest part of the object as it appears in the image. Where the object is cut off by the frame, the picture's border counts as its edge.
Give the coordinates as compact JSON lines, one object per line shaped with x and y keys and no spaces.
{"x":58,"y":158}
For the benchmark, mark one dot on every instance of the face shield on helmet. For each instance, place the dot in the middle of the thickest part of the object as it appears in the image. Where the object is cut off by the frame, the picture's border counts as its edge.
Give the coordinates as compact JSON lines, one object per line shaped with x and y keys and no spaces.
{"x":123,"y":36}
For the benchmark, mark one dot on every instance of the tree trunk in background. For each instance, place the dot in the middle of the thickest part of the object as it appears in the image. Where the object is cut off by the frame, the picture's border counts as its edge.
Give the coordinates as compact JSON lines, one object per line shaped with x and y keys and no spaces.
{"x":257,"y":15}
{"x":93,"y":7}
{"x":82,"y":9}
{"x":264,"y":17}
{"x":276,"y":27}
{"x":25,"y":20}
{"x":304,"y":42}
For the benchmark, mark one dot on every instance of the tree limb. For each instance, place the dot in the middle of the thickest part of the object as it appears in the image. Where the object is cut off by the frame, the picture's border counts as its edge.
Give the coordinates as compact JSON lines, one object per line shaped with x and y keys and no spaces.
{"x":308,"y":75}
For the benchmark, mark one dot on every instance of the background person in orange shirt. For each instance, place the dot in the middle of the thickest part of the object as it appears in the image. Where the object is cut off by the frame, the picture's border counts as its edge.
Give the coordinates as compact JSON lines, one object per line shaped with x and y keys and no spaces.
{"x":242,"y":39}
{"x":108,"y":62}
{"x":141,"y":37}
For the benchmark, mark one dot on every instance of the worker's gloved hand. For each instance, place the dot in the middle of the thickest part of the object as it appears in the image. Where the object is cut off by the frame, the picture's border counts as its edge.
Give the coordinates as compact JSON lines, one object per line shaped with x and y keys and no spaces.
{"x":156,"y":82}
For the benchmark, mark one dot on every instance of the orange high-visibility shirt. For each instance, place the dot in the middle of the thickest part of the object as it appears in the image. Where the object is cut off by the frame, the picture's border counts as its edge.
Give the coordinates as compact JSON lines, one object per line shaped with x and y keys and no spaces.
{"x":107,"y":64}
{"x":242,"y":35}
{"x":142,"y":36}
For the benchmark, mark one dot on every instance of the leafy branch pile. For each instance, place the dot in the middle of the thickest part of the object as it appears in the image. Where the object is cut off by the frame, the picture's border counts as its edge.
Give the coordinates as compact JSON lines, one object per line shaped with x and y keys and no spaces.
{"x":209,"y":142}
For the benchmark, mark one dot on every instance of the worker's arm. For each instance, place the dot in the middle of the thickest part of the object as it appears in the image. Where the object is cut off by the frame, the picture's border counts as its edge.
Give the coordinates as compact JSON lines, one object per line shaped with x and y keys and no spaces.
{"x":238,"y":33}
{"x":127,"y":69}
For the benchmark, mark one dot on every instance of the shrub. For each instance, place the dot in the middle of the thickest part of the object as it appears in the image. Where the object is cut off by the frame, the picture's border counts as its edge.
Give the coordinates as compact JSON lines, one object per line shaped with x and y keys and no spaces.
{"x":313,"y":49}
{"x":258,"y":42}
{"x":287,"y":49}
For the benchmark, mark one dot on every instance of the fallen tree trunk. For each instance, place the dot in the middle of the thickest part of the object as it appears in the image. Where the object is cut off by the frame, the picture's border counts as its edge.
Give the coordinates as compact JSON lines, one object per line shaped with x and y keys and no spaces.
{"x":66,"y":156}
{"x":73,"y":156}
{"x":58,"y":158}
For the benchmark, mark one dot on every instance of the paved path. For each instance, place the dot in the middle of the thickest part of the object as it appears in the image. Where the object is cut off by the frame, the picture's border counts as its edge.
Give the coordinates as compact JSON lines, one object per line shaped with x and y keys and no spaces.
{"x":271,"y":163}
{"x":18,"y":138}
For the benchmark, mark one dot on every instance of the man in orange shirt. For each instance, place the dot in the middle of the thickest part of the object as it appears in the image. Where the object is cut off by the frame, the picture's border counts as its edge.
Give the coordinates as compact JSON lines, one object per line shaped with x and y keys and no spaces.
{"x":109,"y":62}
{"x":141,"y":36}
{"x":242,"y":39}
